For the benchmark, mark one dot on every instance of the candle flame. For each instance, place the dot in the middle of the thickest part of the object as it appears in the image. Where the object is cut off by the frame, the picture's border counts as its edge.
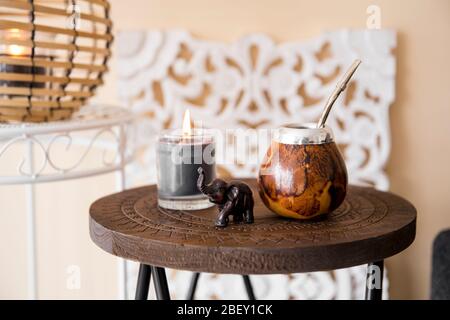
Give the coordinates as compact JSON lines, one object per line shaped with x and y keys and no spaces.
{"x":187,"y":124}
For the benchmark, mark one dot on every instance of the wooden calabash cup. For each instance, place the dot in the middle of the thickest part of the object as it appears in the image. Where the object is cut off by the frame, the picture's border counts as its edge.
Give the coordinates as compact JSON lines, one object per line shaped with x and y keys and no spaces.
{"x":303,"y":174}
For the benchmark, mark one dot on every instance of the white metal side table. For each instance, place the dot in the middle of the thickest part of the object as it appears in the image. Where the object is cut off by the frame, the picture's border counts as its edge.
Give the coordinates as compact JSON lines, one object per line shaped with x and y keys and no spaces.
{"x":105,"y":128}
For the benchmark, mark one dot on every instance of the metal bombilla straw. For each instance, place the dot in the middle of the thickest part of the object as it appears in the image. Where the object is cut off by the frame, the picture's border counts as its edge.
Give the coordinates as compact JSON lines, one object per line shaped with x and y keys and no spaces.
{"x":340,"y":87}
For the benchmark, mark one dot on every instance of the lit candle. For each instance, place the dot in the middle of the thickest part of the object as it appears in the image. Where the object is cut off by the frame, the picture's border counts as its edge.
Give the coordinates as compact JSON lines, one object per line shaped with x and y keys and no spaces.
{"x":179,"y":155}
{"x":15,"y":55}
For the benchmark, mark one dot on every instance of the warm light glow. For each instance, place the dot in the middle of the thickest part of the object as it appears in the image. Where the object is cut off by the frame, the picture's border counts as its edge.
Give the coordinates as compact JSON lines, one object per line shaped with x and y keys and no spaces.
{"x":14,"y":49}
{"x":187,"y":123}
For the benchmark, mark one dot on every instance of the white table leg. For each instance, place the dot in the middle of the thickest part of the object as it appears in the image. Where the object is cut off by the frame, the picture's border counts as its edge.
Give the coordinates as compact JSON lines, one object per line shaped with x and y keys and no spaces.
{"x":31,"y":229}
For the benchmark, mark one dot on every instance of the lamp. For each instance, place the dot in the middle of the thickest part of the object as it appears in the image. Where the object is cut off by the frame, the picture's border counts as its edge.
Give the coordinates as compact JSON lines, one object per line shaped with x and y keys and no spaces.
{"x":53,"y":55}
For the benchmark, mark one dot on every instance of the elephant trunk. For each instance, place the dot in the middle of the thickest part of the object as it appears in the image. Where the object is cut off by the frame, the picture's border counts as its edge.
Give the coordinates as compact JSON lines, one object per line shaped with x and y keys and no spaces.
{"x":201,"y":181}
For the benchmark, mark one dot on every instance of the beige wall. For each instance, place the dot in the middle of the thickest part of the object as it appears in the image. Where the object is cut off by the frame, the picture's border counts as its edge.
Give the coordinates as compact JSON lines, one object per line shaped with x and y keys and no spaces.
{"x":418,"y":168}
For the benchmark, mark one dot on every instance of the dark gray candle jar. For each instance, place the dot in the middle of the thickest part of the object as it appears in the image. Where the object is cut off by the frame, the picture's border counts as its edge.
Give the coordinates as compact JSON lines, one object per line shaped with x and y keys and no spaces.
{"x":178,"y":158}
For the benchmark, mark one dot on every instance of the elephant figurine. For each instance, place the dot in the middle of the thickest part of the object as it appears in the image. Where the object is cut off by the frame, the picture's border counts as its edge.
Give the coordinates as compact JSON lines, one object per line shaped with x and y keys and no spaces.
{"x":233,"y":198}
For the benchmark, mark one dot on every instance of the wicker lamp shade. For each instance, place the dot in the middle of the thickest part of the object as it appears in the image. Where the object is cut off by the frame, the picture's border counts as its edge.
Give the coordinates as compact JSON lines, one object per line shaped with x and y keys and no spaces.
{"x":53,"y":54}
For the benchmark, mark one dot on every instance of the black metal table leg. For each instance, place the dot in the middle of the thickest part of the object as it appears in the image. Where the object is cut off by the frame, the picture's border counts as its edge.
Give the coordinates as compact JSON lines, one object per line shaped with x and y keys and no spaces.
{"x":374,"y":280}
{"x":248,"y":287}
{"x":193,"y":286}
{"x":143,"y":282}
{"x":160,"y":282}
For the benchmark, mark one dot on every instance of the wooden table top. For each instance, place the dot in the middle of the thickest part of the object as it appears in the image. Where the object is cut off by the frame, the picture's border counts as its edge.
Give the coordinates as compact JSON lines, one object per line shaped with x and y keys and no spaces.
{"x":369,"y":226}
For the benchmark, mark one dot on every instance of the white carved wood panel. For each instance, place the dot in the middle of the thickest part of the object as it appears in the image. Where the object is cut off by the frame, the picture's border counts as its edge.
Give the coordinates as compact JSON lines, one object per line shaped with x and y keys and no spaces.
{"x":255,"y":82}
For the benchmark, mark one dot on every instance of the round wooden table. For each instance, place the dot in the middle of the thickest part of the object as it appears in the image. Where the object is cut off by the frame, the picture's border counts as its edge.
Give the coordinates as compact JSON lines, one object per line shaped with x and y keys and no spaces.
{"x":368,"y":227}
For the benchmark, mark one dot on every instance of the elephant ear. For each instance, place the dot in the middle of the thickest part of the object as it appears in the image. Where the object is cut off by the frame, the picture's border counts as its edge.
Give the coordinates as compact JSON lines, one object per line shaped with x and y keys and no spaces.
{"x":233,"y":193}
